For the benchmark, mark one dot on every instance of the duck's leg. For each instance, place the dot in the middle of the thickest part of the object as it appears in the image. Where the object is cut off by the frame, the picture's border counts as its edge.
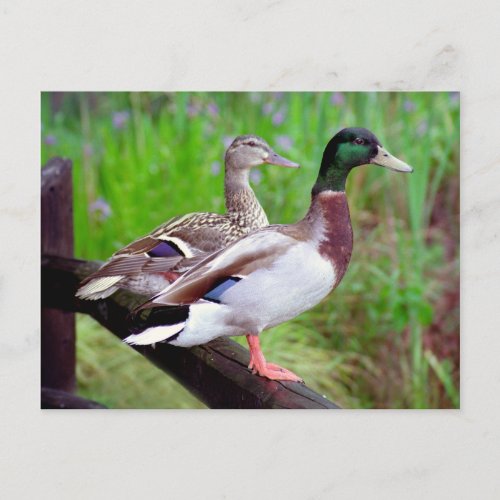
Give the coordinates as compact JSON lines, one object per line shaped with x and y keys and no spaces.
{"x":260,"y":366}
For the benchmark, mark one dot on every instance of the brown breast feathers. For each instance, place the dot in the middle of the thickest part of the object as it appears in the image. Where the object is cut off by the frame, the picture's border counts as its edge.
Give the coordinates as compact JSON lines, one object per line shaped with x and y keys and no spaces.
{"x":336,"y":244}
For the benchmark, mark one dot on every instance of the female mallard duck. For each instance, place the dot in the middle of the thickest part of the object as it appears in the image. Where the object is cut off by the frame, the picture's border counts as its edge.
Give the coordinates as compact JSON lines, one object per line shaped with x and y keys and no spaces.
{"x":149,"y":264}
{"x":273,"y":274}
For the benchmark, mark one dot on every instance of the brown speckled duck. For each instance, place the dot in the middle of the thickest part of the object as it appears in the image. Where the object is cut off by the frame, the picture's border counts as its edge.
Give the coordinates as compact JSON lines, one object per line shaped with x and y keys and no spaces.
{"x":150,"y":263}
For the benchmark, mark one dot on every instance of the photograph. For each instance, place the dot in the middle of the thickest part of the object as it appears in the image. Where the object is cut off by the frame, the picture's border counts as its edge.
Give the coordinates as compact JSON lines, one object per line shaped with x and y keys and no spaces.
{"x":250,"y":250}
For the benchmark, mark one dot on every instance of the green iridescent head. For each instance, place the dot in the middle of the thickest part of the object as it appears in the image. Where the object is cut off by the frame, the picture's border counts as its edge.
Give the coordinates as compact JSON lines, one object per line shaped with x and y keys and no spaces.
{"x":350,"y":148}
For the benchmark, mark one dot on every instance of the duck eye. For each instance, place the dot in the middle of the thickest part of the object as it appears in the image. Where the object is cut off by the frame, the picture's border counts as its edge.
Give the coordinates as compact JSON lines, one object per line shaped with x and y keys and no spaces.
{"x":358,"y":140}
{"x":251,"y":143}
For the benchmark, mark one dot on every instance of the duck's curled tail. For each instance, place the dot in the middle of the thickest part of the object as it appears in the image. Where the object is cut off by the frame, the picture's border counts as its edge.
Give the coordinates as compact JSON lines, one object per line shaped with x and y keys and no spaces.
{"x":161,"y":324}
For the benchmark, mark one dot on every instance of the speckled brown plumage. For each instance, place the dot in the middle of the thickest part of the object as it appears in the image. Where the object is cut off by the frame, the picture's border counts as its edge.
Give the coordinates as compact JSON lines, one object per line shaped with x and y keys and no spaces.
{"x":138,"y":268}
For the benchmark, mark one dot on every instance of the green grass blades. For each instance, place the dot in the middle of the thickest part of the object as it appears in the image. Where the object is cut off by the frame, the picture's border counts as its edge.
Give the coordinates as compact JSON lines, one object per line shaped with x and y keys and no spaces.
{"x":119,"y":377}
{"x":388,"y":337}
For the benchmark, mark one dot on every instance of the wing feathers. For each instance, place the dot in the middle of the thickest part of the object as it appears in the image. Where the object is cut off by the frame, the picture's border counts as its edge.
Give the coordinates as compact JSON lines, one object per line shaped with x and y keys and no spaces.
{"x":255,"y":251}
{"x":140,"y":246}
{"x":133,"y":264}
{"x":99,"y":288}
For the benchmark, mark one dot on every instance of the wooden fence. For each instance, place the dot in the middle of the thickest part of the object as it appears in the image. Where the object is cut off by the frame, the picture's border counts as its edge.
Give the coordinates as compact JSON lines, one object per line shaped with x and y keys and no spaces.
{"x":216,"y":373}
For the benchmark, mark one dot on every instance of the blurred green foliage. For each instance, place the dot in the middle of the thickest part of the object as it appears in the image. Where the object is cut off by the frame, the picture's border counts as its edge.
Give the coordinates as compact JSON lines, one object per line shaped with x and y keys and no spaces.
{"x":388,"y":337}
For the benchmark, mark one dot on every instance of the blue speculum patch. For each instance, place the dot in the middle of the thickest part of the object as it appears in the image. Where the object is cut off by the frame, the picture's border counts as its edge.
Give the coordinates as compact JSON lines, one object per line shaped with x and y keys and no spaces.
{"x":164,"y":249}
{"x":215,"y":294}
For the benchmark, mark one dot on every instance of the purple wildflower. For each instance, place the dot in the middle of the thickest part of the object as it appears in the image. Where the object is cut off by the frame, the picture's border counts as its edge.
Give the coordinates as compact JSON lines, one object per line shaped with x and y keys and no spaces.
{"x":213,"y":109}
{"x":256,"y":176}
{"x":193,"y":109}
{"x":409,"y":106}
{"x":120,"y":119}
{"x":285,"y":142}
{"x":422,"y":128}
{"x":50,"y":140}
{"x":267,"y":109}
{"x":215,"y":167}
{"x":100,"y":208}
{"x":278,"y":95}
{"x":278,"y":118}
{"x":337,"y":98}
{"x":227,"y":140}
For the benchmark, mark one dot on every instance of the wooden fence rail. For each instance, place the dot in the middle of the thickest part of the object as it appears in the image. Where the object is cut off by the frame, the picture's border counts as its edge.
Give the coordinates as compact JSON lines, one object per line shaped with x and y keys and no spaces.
{"x":216,"y":373}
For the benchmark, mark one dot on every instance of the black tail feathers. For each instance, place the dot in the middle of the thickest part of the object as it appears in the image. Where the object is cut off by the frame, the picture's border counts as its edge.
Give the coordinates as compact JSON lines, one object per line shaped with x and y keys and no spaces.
{"x":157,"y":316}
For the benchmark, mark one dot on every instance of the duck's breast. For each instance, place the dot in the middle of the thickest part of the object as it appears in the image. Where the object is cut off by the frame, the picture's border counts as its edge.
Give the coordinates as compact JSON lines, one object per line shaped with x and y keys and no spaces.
{"x":292,"y":284}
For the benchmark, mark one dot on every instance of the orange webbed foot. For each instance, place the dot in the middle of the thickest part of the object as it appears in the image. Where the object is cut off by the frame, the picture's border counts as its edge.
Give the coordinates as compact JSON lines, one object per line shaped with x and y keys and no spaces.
{"x":260,"y":366}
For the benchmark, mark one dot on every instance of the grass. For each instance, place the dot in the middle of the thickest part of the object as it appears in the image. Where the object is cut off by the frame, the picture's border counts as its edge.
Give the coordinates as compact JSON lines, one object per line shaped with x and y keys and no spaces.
{"x":388,"y":337}
{"x":110,"y":372}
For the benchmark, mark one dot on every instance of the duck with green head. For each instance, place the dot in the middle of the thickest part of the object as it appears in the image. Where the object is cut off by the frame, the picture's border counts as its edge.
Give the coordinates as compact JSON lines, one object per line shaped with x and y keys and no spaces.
{"x":273,"y":274}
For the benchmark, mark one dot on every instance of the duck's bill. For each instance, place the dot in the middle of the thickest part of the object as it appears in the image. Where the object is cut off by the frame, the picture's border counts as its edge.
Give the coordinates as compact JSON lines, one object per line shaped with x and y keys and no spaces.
{"x":386,"y":160}
{"x":276,"y":159}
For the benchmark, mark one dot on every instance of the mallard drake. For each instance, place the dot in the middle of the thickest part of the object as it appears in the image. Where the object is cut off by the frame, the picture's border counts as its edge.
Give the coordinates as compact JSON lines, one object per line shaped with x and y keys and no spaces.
{"x":273,"y":274}
{"x":150,"y":263}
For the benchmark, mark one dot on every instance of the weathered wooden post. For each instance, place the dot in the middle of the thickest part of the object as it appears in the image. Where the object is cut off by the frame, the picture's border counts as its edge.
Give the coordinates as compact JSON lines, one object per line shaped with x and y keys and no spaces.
{"x":57,"y":326}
